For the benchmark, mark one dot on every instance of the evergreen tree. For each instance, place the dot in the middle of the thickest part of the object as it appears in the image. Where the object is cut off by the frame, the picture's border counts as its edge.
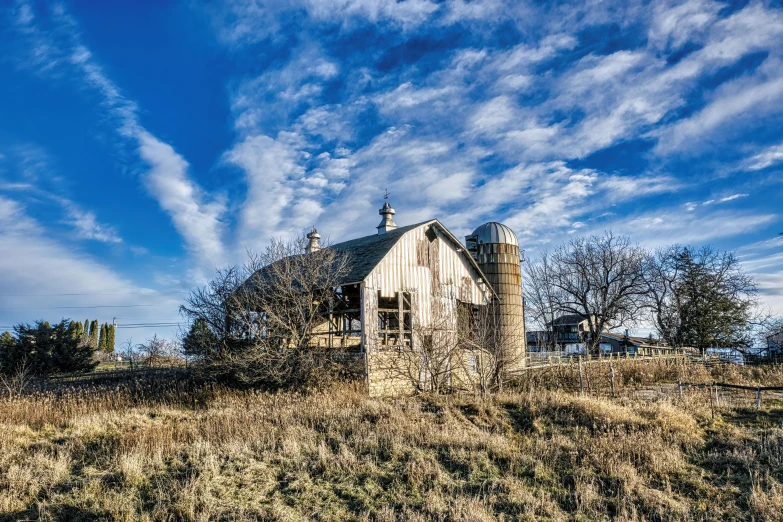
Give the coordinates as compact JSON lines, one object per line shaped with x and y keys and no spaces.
{"x":200,"y":340}
{"x":46,"y":349}
{"x":7,"y":342}
{"x":79,"y":331}
{"x":86,"y":331}
{"x":73,"y":328}
{"x":110,"y":339}
{"x":94,"y":334}
{"x":102,"y":338}
{"x":702,"y":298}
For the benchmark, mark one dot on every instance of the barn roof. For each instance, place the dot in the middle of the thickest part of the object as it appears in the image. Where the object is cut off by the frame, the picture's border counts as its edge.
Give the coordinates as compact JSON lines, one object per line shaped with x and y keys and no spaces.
{"x":636,"y":341}
{"x":568,"y":320}
{"x":366,"y":252}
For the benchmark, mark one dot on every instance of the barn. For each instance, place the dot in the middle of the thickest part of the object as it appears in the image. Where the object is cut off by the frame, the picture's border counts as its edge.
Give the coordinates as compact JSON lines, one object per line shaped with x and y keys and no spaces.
{"x":420,"y":310}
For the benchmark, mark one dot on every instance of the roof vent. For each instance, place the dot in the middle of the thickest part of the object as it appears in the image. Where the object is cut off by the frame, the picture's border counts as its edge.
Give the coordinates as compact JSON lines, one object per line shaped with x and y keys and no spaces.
{"x":313,"y":236}
{"x":387,"y":223}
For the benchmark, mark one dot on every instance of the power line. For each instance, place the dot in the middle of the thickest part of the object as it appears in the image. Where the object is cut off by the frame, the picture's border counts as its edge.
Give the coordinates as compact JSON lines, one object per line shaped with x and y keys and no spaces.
{"x":130,"y":325}
{"x":74,"y":307}
{"x":161,"y":323}
{"x":120,"y":327}
{"x":151,"y":294}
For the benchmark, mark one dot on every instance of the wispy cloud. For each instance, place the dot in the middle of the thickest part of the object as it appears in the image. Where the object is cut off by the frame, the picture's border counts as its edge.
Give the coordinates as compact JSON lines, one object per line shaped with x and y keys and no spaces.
{"x":766,"y":158}
{"x":659,"y":228}
{"x":195,"y":216}
{"x":30,"y":173}
{"x":87,"y":226}
{"x":690,"y":206}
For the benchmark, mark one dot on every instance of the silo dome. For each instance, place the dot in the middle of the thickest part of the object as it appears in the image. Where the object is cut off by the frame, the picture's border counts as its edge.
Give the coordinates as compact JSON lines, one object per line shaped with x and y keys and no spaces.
{"x":494,"y":232}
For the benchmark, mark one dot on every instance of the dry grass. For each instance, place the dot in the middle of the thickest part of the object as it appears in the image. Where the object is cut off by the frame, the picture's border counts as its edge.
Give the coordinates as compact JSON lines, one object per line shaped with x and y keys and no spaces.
{"x":179,"y":452}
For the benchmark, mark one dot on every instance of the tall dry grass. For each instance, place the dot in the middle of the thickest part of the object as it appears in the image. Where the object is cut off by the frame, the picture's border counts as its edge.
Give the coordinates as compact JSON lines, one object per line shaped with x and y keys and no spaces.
{"x":178,"y":451}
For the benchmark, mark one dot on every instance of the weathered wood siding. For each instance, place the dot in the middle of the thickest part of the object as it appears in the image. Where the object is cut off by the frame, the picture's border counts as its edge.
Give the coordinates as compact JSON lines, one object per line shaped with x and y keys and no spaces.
{"x":447,"y":272}
{"x":435,"y":272}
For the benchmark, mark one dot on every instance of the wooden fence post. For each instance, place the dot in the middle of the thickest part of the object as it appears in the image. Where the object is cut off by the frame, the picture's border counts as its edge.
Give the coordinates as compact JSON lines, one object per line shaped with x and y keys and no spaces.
{"x":581,"y":385}
{"x":679,"y":389}
{"x":611,"y":375}
{"x":758,"y":398}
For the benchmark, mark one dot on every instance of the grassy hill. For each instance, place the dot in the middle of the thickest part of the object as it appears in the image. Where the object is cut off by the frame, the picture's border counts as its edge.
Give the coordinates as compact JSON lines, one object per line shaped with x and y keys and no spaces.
{"x":181,"y":451}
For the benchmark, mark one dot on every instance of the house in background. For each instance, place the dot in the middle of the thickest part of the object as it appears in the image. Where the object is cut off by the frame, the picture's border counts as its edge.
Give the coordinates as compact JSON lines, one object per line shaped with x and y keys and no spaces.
{"x":775,"y":344}
{"x":570,"y":333}
{"x":566,"y":333}
{"x":632,"y":345}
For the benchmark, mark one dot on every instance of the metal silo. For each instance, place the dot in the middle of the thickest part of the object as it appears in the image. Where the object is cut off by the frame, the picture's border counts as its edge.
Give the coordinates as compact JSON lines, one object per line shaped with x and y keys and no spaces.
{"x":495,"y":248}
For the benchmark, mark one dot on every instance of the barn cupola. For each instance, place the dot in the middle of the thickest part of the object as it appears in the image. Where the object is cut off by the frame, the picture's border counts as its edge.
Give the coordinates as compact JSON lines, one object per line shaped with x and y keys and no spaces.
{"x":314,"y":237}
{"x":387,"y":223}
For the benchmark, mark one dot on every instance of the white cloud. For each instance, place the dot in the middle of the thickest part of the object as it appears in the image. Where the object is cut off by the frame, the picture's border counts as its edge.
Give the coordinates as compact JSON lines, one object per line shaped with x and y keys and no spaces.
{"x":740,"y":103}
{"x":443,"y":124}
{"x":732,"y":197}
{"x":197,"y":220}
{"x":665,"y":226}
{"x":300,"y":81}
{"x":766,"y":158}
{"x":242,"y":22}
{"x":87,"y":226}
{"x":33,"y":164}
{"x":629,"y":187}
{"x":675,"y":24}
{"x":195,"y":216}
{"x":270,"y":167}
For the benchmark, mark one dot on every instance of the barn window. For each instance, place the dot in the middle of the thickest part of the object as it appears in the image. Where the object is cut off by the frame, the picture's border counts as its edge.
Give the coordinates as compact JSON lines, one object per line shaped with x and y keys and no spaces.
{"x":395,"y":322}
{"x":469,"y":320}
{"x":341,"y":325}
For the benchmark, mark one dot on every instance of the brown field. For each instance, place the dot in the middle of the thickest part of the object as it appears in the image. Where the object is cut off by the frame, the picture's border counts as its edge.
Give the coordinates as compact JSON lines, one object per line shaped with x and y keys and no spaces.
{"x":180,"y":451}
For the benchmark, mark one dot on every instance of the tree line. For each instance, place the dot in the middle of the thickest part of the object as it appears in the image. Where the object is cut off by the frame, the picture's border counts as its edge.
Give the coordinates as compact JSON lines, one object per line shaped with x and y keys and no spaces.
{"x":44,"y":349}
{"x":695,"y":297}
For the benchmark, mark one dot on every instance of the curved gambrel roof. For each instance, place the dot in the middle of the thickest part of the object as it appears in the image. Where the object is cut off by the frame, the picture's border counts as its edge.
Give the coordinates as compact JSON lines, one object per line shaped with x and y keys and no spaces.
{"x":367,"y":252}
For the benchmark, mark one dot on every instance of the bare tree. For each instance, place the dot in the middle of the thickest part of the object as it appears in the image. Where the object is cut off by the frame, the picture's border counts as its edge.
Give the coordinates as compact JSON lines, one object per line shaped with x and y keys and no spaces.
{"x":542,"y":298}
{"x":18,"y":380}
{"x":453,"y":346}
{"x":665,"y":270}
{"x":428,"y":359}
{"x":601,"y":278}
{"x":494,"y":346}
{"x":158,"y":351}
{"x":264,"y":317}
{"x":771,"y":336}
{"x":130,"y":353}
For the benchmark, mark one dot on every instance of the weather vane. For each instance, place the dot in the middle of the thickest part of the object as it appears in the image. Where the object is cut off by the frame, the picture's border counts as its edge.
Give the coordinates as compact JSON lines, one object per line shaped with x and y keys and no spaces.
{"x":386,"y":196}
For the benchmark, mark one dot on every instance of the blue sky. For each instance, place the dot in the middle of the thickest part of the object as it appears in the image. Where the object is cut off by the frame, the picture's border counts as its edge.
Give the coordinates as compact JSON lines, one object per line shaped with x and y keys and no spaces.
{"x":142,"y":144}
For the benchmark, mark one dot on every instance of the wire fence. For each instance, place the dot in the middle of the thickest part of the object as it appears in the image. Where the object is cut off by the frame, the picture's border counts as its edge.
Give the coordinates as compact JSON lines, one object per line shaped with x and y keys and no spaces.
{"x":655,"y":376}
{"x":550,"y":358}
